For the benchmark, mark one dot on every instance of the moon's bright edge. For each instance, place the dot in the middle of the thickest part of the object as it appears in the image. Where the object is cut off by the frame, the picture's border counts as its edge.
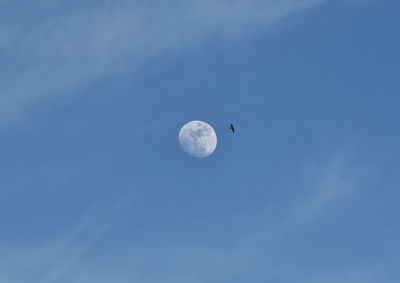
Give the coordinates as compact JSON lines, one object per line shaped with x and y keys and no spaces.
{"x":198,"y":139}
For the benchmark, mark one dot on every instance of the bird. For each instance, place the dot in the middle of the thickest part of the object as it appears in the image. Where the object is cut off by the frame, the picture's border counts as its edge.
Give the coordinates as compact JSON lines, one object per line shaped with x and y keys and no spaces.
{"x":232,"y":128}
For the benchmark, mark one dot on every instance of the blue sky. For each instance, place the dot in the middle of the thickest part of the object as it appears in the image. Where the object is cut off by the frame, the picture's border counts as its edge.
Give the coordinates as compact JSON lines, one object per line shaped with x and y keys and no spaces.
{"x":94,"y":186}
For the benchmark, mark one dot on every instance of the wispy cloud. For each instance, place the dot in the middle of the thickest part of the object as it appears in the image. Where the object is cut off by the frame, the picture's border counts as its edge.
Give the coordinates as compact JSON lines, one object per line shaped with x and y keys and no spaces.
{"x":51,"y":261}
{"x":48,"y":48}
{"x":328,"y":181}
{"x":349,"y":275}
{"x":322,"y":187}
{"x":324,"y":184}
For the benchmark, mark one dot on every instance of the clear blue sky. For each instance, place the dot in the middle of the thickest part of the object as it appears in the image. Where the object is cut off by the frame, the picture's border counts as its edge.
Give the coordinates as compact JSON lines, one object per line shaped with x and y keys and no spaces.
{"x":94,"y":186}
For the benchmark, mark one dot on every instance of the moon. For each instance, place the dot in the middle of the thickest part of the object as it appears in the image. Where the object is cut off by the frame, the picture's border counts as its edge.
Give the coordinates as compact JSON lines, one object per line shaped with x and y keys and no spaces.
{"x":198,"y":139}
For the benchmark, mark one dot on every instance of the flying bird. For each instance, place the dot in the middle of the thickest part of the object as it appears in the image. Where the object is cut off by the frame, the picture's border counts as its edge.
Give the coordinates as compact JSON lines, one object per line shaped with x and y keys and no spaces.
{"x":232,"y":128}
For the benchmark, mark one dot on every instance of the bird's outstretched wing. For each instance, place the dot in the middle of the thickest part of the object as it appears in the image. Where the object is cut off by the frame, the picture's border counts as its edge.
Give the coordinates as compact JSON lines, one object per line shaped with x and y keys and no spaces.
{"x":232,"y":128}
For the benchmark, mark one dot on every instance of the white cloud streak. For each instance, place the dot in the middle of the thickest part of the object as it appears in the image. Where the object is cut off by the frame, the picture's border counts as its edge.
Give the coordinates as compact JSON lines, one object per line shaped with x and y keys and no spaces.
{"x":52,"y":261}
{"x":53,"y":47}
{"x":322,"y":187}
{"x":328,"y":181}
{"x":350,"y":275}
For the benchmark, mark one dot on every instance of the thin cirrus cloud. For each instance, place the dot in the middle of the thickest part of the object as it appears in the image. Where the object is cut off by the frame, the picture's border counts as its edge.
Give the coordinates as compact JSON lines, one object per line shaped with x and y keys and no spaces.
{"x":47,"y":47}
{"x":330,"y":181}
{"x":326,"y":184}
{"x":54,"y":260}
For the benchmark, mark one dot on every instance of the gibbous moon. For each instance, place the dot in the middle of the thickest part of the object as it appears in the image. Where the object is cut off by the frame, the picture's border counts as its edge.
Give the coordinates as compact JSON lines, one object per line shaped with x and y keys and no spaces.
{"x":198,"y":139}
